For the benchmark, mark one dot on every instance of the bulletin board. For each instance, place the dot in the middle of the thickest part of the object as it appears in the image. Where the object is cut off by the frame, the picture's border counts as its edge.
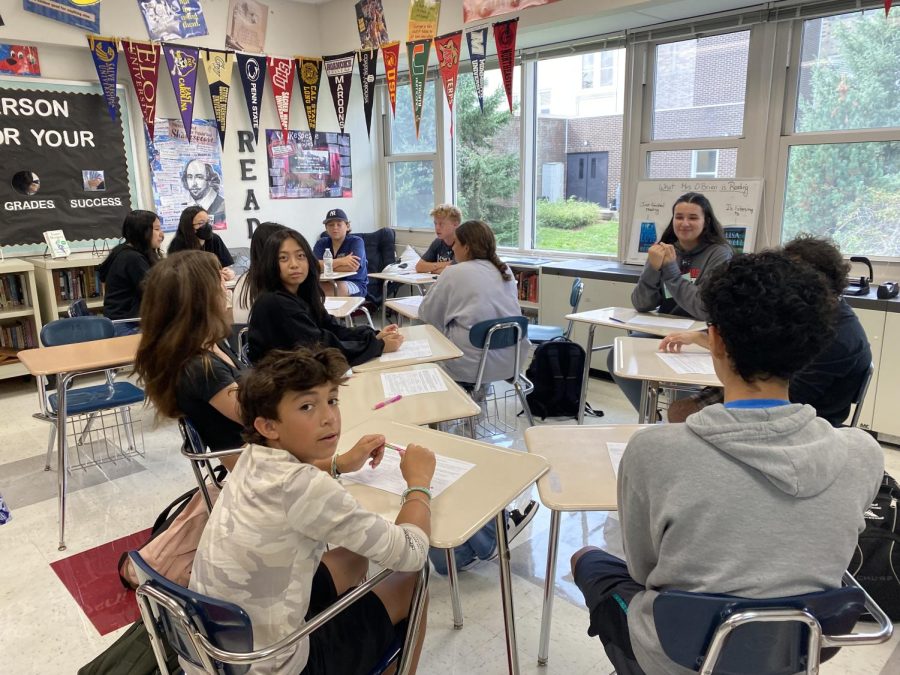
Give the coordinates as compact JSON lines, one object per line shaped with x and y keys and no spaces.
{"x":736,"y":204}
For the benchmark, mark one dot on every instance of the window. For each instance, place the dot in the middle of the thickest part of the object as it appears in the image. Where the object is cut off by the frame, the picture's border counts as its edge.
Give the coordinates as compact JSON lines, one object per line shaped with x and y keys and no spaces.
{"x":607,"y":68}
{"x":704,"y":163}
{"x":587,"y":71}
{"x":713,"y":163}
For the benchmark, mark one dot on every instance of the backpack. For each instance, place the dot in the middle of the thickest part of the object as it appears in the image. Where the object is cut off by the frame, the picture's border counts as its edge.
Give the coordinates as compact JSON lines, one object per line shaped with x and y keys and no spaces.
{"x":131,"y":654}
{"x":876,"y":561}
{"x":556,"y":371}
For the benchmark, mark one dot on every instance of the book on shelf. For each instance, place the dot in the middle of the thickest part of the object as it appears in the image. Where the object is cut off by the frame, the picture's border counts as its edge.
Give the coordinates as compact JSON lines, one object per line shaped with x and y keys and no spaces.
{"x":56,"y":242}
{"x":18,"y":335}
{"x":74,"y":284}
{"x":12,"y":292}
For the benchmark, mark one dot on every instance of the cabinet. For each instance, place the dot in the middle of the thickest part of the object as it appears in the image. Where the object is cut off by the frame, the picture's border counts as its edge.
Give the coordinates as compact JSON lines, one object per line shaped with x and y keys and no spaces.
{"x":20,"y":321}
{"x":885,"y":418}
{"x":61,"y":281}
{"x":873,"y":323}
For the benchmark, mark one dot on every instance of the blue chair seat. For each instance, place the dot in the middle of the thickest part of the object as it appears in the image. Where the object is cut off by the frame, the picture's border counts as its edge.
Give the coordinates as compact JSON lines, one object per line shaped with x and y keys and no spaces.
{"x":98,"y":397}
{"x":538,"y":333}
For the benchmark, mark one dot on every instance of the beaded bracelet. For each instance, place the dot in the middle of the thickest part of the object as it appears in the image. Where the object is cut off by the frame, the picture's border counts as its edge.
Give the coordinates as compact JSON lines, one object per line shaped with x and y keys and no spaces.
{"x":334,"y":467}
{"x":424,"y":490}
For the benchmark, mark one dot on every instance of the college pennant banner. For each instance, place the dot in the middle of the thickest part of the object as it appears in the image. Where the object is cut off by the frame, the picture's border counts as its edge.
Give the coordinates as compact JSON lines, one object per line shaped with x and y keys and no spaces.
{"x":281,"y":73}
{"x":142,"y":59}
{"x":252,"y":69}
{"x":310,"y":72}
{"x":390,"y":53}
{"x":339,"y":71}
{"x":105,"y":51}
{"x":217,"y":64}
{"x":182,"y":62}
{"x":505,"y":39}
{"x":368,"y":67}
{"x":418,"y":53}
{"x":447,"y":48}
{"x":477,"y":41}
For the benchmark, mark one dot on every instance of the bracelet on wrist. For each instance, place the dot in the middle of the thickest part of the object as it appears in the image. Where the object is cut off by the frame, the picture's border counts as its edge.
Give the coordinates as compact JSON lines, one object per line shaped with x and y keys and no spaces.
{"x":335,"y":472}
{"x":424,"y":490}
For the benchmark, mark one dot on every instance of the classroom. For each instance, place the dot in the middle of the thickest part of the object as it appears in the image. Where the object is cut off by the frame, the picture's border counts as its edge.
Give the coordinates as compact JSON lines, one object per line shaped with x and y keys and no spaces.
{"x":396,"y":179}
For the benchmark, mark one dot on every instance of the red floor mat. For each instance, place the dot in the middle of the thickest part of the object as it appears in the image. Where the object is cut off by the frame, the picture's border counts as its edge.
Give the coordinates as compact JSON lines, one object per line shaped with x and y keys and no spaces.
{"x":92,"y":579}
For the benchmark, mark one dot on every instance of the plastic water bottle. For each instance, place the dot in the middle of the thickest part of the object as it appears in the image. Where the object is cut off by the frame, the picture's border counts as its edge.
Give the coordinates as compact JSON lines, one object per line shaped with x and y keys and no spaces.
{"x":328,"y":262}
{"x":4,"y":512}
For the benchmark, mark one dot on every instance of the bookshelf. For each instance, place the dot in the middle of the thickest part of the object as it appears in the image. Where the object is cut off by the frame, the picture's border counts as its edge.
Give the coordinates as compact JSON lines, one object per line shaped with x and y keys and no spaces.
{"x":60,"y":281}
{"x":527,"y":272}
{"x":20,"y":320}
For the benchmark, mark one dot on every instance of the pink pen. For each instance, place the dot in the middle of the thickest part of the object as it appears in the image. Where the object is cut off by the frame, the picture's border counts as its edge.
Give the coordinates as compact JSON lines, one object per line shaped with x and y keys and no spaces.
{"x":387,"y":401}
{"x":392,"y":446}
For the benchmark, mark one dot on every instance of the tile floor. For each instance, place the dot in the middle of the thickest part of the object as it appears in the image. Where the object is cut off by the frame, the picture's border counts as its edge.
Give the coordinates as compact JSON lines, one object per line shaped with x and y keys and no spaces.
{"x":43,"y":631}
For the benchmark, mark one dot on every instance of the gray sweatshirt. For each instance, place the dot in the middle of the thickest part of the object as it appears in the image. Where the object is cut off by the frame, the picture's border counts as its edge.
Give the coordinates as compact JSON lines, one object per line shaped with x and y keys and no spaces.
{"x":667,"y":289}
{"x":747,"y":502}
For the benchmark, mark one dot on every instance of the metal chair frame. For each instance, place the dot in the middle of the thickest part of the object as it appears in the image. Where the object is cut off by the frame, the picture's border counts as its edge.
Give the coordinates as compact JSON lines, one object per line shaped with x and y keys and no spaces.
{"x":200,"y":458}
{"x":574,"y":301}
{"x":860,"y":397}
{"x":522,"y":384}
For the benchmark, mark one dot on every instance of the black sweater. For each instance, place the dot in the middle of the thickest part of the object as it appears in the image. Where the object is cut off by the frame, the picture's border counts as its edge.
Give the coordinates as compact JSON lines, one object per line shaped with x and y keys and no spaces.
{"x":123,"y":272}
{"x":213,"y":245}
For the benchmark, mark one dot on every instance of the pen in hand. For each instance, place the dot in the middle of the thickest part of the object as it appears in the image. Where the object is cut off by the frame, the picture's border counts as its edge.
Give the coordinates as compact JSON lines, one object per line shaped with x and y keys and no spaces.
{"x":392,"y":446}
{"x":387,"y":401}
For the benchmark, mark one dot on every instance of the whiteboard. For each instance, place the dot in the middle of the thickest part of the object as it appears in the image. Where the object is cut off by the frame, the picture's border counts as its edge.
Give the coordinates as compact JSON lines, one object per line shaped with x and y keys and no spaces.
{"x":735,"y":202}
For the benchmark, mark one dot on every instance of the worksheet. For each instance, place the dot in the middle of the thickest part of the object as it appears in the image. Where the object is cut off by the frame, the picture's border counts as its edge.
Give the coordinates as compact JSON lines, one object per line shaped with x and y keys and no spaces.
{"x":616,"y":450}
{"x":333,"y":303}
{"x":410,"y":349}
{"x":412,"y":382}
{"x":411,"y":300}
{"x":688,"y":363}
{"x":386,"y":476}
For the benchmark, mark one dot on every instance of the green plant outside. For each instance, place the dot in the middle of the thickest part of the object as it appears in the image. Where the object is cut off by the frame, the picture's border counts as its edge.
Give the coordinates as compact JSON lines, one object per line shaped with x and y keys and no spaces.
{"x":600,"y":238}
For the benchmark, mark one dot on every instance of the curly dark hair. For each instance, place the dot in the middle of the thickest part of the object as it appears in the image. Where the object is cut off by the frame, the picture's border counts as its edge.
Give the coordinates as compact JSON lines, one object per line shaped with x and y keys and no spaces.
{"x":281,"y":371}
{"x":774,"y":314}
{"x":822,"y":255}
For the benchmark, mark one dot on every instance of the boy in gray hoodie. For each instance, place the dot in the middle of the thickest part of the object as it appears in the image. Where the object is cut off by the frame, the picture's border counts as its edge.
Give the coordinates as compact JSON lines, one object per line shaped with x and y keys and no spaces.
{"x":756,"y":497}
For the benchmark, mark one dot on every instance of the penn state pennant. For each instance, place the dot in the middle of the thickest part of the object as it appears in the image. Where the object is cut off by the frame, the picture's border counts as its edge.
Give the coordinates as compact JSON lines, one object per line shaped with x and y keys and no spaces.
{"x":252,"y":69}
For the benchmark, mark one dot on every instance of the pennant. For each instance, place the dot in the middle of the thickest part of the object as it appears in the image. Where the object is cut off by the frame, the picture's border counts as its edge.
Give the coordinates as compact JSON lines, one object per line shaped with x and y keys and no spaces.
{"x":182,"y":62}
{"x":477,"y":41}
{"x":887,"y":7}
{"x":447,"y":49}
{"x":281,"y":73}
{"x":339,"y":71}
{"x":217,"y":64}
{"x":391,"y":55}
{"x":106,"y":60}
{"x":142,"y":59}
{"x":252,"y":69}
{"x":310,"y":73}
{"x":505,"y":39}
{"x":368,"y":66}
{"x":418,"y":53}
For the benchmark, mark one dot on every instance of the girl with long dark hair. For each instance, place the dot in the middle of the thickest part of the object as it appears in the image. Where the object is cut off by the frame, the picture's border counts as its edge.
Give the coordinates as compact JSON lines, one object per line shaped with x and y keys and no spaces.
{"x":195,"y":232}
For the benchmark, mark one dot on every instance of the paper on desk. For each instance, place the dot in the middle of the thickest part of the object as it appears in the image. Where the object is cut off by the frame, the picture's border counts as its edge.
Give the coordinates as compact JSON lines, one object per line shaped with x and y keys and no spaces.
{"x":689,"y":363}
{"x":616,"y":450}
{"x":411,"y":349}
{"x":661,"y":322}
{"x":419,"y":276}
{"x":387,"y":476}
{"x":334,"y":304}
{"x":411,"y":300}
{"x":412,"y":382}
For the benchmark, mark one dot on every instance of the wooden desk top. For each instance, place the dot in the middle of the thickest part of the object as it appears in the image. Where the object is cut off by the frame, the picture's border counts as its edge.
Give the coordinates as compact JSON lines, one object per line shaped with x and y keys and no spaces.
{"x":348,"y":306}
{"x":415,"y":279}
{"x":581,"y":476}
{"x":407,"y":307}
{"x":364,"y":390}
{"x":463,"y":508}
{"x":636,"y":358}
{"x":441,"y":350}
{"x":623,"y":317}
{"x":81,"y":356}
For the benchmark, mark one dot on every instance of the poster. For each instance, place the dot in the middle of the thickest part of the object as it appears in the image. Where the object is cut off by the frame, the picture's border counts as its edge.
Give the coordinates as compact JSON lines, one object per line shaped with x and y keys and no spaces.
{"x":173,"y":19}
{"x":19,"y":60}
{"x":184,"y":174}
{"x":475,"y":10}
{"x":371,"y":24}
{"x":66,"y":11}
{"x":247,"y":21}
{"x":298,"y":169}
{"x":423,"y":19}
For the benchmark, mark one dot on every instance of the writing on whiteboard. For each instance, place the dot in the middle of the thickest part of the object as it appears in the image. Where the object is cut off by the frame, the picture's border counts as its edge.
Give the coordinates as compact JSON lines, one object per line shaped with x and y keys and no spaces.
{"x":737,"y":187}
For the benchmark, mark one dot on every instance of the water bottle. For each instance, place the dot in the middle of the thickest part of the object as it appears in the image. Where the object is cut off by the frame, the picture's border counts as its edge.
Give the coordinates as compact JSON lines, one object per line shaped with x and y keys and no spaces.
{"x":328,"y":263}
{"x":4,"y":512}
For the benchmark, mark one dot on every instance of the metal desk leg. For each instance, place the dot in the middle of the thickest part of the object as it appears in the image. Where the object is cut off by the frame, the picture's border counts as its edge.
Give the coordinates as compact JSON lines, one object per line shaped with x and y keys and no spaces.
{"x":587,"y":373}
{"x":642,"y":408}
{"x":509,"y":620}
{"x":62,"y":461}
{"x":384,"y":290}
{"x":549,"y":587}
{"x":652,"y":402}
{"x":454,"y":589}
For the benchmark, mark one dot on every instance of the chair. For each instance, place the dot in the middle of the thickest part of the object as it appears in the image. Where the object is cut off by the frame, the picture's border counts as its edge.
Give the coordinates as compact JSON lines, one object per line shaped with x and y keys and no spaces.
{"x":497,"y":334}
{"x":777,"y":636}
{"x":217,"y":636}
{"x":538,"y":333}
{"x":860,"y":397}
{"x":243,"y":345}
{"x":199,"y":455}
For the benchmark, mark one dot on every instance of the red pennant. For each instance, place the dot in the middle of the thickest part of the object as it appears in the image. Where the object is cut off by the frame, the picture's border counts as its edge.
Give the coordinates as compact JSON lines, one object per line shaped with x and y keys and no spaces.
{"x":391,"y":55}
{"x":142,"y":59}
{"x":887,"y":7}
{"x":281,"y":75}
{"x":448,"y":53}
{"x":505,"y":39}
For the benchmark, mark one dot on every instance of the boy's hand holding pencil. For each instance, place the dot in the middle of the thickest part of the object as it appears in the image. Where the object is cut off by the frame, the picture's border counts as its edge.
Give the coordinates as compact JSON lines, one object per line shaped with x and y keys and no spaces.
{"x":368,"y":448}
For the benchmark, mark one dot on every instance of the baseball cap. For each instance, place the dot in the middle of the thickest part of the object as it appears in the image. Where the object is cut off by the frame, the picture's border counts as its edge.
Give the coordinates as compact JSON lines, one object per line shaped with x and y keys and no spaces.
{"x":336,"y":214}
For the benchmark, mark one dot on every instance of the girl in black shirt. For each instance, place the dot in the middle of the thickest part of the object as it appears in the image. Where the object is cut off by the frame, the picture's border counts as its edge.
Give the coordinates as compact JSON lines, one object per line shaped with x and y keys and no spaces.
{"x":195,"y":232}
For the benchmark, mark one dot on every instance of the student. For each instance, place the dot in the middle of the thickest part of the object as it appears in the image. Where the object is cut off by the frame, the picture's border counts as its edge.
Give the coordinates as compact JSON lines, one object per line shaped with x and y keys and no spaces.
{"x":264,"y":547}
{"x":756,"y":498}
{"x":349,"y":254}
{"x":477,"y":288}
{"x":195,"y":231}
{"x":677,"y":265}
{"x":290,"y":311}
{"x":440,"y":254}
{"x":127,"y":264}
{"x":831,"y":380}
{"x":184,"y":361}
{"x":245,"y":291}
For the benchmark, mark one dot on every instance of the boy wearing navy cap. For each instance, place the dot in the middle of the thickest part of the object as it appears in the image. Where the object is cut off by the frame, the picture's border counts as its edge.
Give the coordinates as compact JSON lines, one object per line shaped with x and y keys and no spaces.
{"x":349,"y":253}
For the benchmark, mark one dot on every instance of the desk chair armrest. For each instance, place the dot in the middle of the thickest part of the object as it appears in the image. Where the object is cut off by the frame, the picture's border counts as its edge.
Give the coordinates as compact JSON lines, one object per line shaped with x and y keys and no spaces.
{"x":136,"y":319}
{"x":213,"y":454}
{"x":885,"y":627}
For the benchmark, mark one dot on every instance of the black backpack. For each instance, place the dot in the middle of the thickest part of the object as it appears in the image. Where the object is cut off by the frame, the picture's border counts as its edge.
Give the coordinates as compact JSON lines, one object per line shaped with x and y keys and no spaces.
{"x":556,"y":371}
{"x":876,"y":561}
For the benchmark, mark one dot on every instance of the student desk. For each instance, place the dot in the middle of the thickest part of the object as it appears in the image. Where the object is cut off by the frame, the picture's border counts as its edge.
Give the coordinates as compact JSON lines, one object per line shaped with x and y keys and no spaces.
{"x":620,"y":317}
{"x":482,"y":493}
{"x":334,"y":276}
{"x":66,"y":362}
{"x":364,"y":390}
{"x":441,"y":350}
{"x":416,"y":280}
{"x":342,"y":308}
{"x":406,"y":307}
{"x":581,"y":478}
{"x":636,"y":358}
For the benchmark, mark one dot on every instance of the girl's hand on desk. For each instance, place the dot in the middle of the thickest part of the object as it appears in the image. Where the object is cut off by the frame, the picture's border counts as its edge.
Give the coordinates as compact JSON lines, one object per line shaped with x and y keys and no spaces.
{"x":417,"y":466}
{"x":387,"y":330}
{"x":392,"y":342}
{"x":675,"y":341}
{"x":370,"y":447}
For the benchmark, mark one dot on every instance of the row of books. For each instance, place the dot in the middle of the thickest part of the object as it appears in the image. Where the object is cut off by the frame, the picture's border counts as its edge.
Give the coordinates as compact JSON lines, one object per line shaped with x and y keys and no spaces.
{"x":528,"y":286}
{"x":77,"y":283}
{"x":13,"y":293}
{"x":18,"y":335}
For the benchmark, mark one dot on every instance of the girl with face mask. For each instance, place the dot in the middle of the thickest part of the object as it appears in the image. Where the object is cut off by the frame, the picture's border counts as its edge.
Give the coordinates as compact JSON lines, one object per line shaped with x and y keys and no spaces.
{"x":195,"y":232}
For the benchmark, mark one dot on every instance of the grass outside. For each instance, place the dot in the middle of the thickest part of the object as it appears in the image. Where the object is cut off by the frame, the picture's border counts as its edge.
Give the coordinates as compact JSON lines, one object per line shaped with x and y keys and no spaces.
{"x":600,"y":238}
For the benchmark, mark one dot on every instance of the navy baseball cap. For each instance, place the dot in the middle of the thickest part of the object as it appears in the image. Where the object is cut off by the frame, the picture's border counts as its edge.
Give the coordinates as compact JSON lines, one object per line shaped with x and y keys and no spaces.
{"x":336,"y":214}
